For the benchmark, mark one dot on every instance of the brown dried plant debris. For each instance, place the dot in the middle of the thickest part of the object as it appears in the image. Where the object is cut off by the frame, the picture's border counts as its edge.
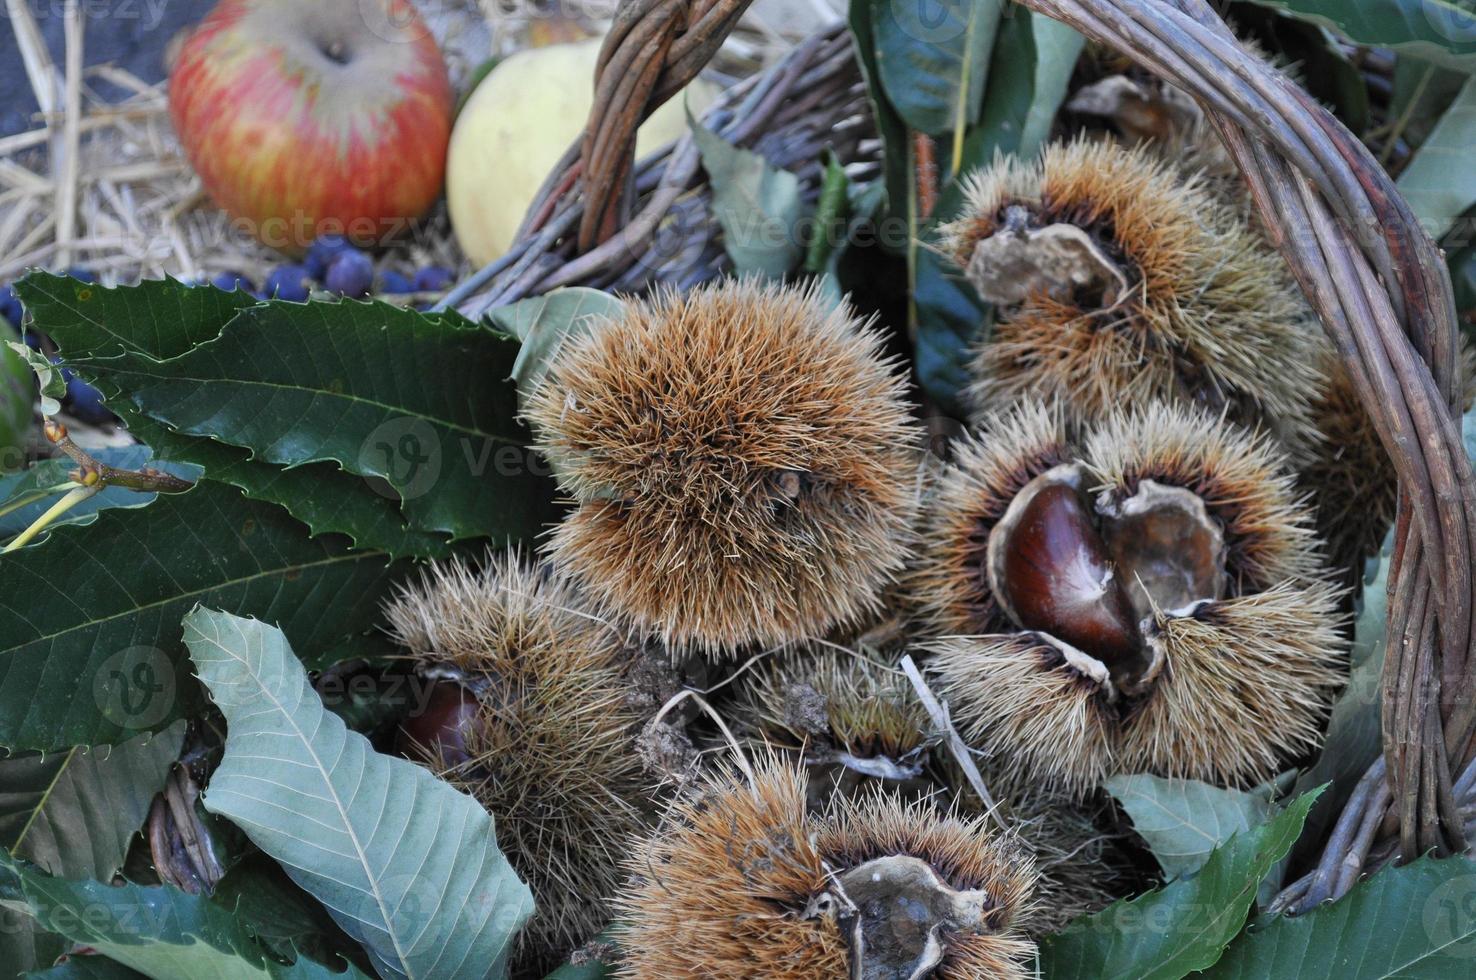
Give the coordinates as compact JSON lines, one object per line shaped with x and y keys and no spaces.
{"x":743,"y":462}
{"x":1119,"y":279}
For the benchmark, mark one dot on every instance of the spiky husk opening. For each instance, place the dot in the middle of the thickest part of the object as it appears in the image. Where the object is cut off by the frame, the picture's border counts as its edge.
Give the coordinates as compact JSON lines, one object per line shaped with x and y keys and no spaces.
{"x":1246,"y":685}
{"x":1235,"y":682}
{"x":1210,"y":316}
{"x":966,"y":853}
{"x":744,"y":462}
{"x":947,"y":589}
{"x":838,"y":698}
{"x":552,"y":742}
{"x":1030,"y":707}
{"x":730,"y":886}
{"x":1245,"y":480}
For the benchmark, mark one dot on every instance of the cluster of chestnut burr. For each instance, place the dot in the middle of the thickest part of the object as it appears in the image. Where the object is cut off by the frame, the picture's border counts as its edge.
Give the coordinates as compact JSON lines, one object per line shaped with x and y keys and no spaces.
{"x":1134,"y":561}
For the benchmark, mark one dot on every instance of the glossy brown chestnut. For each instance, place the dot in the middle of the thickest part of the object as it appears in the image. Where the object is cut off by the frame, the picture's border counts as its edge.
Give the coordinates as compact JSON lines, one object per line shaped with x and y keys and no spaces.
{"x":438,"y":732}
{"x":1057,"y":578}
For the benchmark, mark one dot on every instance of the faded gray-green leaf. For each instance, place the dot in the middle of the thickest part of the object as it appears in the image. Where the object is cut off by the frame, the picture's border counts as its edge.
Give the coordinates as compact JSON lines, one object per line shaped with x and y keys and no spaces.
{"x":405,"y":864}
{"x":757,"y":205}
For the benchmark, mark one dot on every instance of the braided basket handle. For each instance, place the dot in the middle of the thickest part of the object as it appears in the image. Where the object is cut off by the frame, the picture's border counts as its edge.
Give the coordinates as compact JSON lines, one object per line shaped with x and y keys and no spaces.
{"x":654,"y":48}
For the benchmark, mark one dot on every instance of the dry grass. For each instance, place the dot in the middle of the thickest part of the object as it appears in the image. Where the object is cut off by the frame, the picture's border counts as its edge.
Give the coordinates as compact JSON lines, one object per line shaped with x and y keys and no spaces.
{"x":102,"y":185}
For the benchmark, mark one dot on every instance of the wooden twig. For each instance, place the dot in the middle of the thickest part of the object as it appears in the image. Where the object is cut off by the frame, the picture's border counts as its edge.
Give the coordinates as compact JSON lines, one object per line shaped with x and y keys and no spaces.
{"x":960,"y":751}
{"x":147,"y":480}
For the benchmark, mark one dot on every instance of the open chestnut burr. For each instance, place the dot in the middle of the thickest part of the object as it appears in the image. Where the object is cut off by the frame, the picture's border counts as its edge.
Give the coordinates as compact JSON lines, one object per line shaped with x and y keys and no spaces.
{"x":1148,"y":598}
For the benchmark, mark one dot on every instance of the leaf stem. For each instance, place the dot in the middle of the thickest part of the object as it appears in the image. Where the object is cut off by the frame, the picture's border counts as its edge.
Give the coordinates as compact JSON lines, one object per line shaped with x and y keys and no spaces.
{"x":72,"y":499}
{"x":12,"y":506}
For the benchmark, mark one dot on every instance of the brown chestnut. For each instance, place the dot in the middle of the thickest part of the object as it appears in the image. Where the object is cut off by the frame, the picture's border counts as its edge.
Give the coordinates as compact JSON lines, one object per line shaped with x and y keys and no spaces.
{"x":438,"y":732}
{"x":1050,"y":570}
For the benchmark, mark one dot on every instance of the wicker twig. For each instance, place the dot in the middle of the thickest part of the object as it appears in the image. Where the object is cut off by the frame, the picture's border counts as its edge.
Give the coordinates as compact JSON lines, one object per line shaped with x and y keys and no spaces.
{"x":1381,"y":289}
{"x":813,"y":99}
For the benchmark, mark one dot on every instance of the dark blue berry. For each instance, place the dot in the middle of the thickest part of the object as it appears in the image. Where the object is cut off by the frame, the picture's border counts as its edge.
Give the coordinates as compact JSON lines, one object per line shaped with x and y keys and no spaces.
{"x":394,"y":283}
{"x":10,"y":306}
{"x":233,"y":280}
{"x":350,"y":274}
{"x":86,"y":402}
{"x":433,"y":279}
{"x":321,"y":253}
{"x":289,"y":282}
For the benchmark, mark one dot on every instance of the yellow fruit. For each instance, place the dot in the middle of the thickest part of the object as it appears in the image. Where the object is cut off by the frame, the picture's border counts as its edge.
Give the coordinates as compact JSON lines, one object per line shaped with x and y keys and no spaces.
{"x":517,"y":124}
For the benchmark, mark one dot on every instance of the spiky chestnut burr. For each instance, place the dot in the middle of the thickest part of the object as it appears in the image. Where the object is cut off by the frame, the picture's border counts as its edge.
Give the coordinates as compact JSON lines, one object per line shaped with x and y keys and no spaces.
{"x":1351,"y":478}
{"x":744,"y":883}
{"x":530,"y":714}
{"x":1121,"y":279}
{"x":744,"y":465}
{"x":1157,"y":603}
{"x":851,"y":719}
{"x":858,"y":725}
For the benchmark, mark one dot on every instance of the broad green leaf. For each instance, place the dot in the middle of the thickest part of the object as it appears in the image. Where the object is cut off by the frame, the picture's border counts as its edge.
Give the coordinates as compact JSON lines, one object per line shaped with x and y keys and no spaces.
{"x":110,"y":334}
{"x":89,"y":621}
{"x":405,"y":864}
{"x":16,"y":386}
{"x":321,"y":495}
{"x":159,"y":931}
{"x":545,"y":323}
{"x":32,"y":491}
{"x":933,"y":57}
{"x":24,"y":944}
{"x":1417,"y":922}
{"x":1184,"y":820}
{"x":951,"y":321}
{"x":73,"y":813}
{"x":757,"y":205}
{"x":1440,"y":182}
{"x":1033,"y":61}
{"x":1440,"y":31}
{"x":278,"y":914}
{"x":1421,"y":94}
{"x":88,"y":968}
{"x":1182,"y":927}
{"x":893,"y":131}
{"x":155,"y":320}
{"x":423,"y":404}
{"x":1057,"y":46}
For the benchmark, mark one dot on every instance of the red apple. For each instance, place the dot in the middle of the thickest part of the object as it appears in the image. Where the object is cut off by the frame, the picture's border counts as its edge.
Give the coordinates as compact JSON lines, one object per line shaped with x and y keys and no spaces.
{"x":311,"y":117}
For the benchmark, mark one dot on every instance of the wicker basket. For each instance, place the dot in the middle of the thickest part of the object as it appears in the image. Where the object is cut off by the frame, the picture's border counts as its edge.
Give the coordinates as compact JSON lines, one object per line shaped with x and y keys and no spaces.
{"x":1375,"y":278}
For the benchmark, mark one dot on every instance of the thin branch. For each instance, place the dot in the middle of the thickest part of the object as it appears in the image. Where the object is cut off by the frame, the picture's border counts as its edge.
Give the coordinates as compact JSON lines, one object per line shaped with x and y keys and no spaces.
{"x":147,"y":480}
{"x":939,"y":714}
